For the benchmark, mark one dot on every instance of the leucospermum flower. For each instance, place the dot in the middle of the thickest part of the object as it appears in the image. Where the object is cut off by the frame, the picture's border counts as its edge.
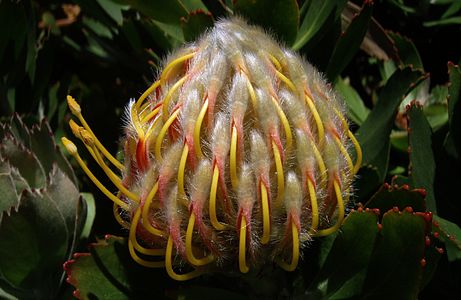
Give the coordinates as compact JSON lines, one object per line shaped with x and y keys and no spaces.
{"x":238,"y":154}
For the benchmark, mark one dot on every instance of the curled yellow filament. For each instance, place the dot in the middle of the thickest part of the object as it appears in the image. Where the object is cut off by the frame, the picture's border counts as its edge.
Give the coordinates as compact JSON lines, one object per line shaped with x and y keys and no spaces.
{"x":339,"y":221}
{"x":212,"y":211}
{"x":173,"y":64}
{"x":145,"y":211}
{"x":134,"y":241}
{"x":143,"y":262}
{"x":189,"y":253}
{"x":280,"y":175}
{"x":266,"y":216}
{"x":242,"y":246}
{"x":295,"y":251}
{"x":144,"y":95}
{"x":169,"y":265}
{"x":344,"y":153}
{"x":285,"y":80}
{"x":162,"y":133}
{"x":197,"y":128}
{"x":285,"y":124}
{"x":181,"y":170}
{"x":318,"y":120}
{"x":168,"y":96}
{"x":314,"y":206}
{"x":275,"y":61}
{"x":118,"y":218}
{"x":233,"y":158}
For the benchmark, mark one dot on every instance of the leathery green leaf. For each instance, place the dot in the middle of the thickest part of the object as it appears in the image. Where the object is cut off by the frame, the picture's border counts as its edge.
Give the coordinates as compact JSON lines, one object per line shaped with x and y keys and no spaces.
{"x":39,"y":230}
{"x":355,"y":241}
{"x":349,"y":42}
{"x":316,"y":15}
{"x":396,"y":268}
{"x":108,"y":272}
{"x":374,"y":133}
{"x":421,"y":155}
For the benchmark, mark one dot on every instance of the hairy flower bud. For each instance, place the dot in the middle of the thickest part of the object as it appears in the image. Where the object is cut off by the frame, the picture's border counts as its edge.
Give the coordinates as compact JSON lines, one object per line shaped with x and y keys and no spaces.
{"x":238,"y":153}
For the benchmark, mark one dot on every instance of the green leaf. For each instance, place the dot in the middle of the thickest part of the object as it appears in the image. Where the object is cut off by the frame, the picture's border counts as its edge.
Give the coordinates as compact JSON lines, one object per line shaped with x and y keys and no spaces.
{"x":33,"y":246}
{"x":103,"y":273}
{"x":90,"y":214}
{"x":388,"y":197}
{"x":454,"y":110}
{"x":62,"y":191}
{"x":454,"y":8}
{"x":193,"y":5}
{"x":407,"y":51}
{"x":25,"y":161}
{"x":195,"y":24}
{"x":169,"y":12}
{"x":53,"y":101}
{"x":356,"y":109}
{"x":450,"y":233}
{"x":374,"y":133}
{"x":369,"y":181}
{"x":114,"y":10}
{"x":280,"y":16}
{"x":349,"y":254}
{"x":395,"y":268}
{"x":42,"y":144}
{"x":10,"y":197}
{"x":399,"y":140}
{"x":444,"y":22}
{"x":317,"y":14}
{"x":421,"y":155}
{"x":172,"y":32}
{"x":349,"y":42}
{"x":19,"y":130}
{"x":97,"y":27}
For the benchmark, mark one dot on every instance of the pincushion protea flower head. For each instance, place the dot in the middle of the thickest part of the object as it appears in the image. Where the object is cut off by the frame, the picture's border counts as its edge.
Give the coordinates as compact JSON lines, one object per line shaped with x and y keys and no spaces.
{"x":237,"y":154}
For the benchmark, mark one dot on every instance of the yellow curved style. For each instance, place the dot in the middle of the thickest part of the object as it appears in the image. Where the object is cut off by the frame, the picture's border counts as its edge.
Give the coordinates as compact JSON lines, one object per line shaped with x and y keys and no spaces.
{"x":161,"y":135}
{"x":280,"y":175}
{"x":197,"y":127}
{"x":189,"y":251}
{"x":340,"y":218}
{"x":285,"y":124}
{"x":266,"y":215}
{"x":242,"y":246}
{"x":318,"y":120}
{"x":173,"y":64}
{"x":212,"y":211}
{"x":289,"y":267}
{"x":182,"y":166}
{"x":167,"y":99}
{"x":169,"y":265}
{"x":134,"y":241}
{"x":145,"y":213}
{"x":233,"y":158}
{"x":314,"y":207}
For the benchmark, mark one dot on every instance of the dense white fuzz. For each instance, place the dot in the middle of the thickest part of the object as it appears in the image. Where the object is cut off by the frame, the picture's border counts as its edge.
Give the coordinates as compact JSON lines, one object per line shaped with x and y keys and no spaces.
{"x":293,"y":194}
